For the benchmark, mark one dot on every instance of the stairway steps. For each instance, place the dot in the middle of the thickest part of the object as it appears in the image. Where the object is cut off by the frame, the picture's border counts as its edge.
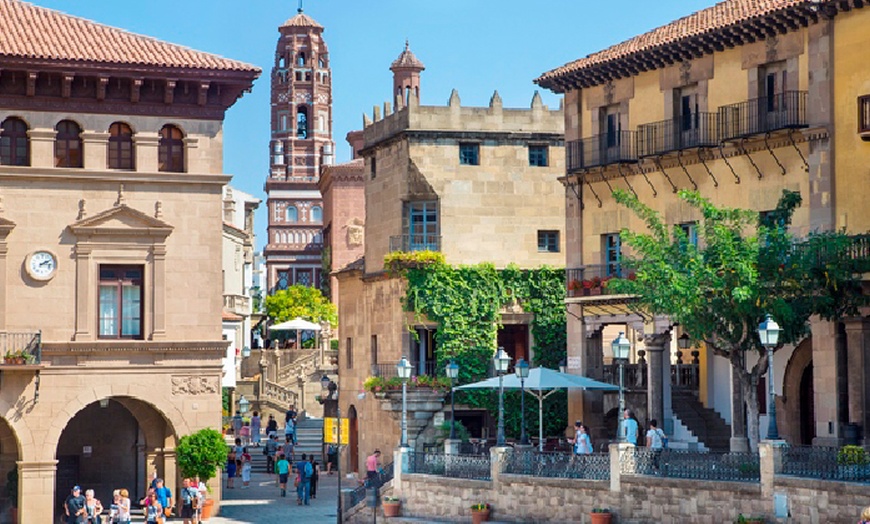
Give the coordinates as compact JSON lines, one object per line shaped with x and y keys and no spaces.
{"x":704,"y":423}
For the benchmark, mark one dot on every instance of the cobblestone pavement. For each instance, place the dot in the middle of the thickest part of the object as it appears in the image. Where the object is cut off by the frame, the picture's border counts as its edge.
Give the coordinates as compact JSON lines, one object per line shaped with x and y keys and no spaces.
{"x":261,"y":503}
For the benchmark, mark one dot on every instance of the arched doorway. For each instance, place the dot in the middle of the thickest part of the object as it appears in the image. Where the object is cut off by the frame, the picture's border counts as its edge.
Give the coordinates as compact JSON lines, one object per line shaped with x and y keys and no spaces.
{"x":353,"y":440}
{"x":9,"y":455}
{"x":808,"y":412}
{"x":797,"y":403}
{"x":111,"y":444}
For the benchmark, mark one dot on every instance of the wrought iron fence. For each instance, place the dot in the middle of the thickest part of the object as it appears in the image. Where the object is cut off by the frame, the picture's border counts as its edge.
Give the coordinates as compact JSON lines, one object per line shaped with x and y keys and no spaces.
{"x":823,"y":463}
{"x":685,"y":464}
{"x":358,"y":494}
{"x":695,"y":129}
{"x":475,"y":467}
{"x":418,"y":242}
{"x":594,"y":466}
{"x":786,"y":110}
{"x":601,"y":150}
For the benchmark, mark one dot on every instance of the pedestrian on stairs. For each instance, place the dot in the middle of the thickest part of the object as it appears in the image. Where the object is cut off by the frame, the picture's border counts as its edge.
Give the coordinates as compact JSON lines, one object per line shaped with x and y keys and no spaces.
{"x":290,"y":422}
{"x":282,"y":468}
{"x":272,"y":427}
{"x":315,"y":475}
{"x":288,"y":448}
{"x":255,"y":430}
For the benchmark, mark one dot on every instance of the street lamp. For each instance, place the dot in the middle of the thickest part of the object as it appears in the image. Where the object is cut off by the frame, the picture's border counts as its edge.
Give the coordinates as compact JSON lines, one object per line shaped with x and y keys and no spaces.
{"x":502,"y":360}
{"x":244,"y":404}
{"x":683,"y":342}
{"x":522,"y":371}
{"x":404,"y":370}
{"x":325,"y":383}
{"x":246,"y":351}
{"x":452,"y":373}
{"x":620,"y":347}
{"x":768,"y":332}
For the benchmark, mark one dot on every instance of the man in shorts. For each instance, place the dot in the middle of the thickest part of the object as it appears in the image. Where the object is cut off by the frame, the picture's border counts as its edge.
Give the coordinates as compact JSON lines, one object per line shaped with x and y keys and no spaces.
{"x":189,"y":502}
{"x":282,"y":467}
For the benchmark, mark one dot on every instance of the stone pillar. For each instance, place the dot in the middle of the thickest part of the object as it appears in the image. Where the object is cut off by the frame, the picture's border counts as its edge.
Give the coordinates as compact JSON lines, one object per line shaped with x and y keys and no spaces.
{"x":146,"y":151}
{"x":41,"y":147}
{"x":655,"y":346}
{"x":3,"y":250}
{"x":820,"y":110}
{"x":451,"y":446}
{"x":858,"y":372}
{"x":826,"y":383}
{"x":95,"y":150}
{"x":497,"y":458}
{"x":401,"y":465}
{"x":83,"y":292}
{"x":770,"y":457}
{"x":617,"y":450}
{"x":739,"y":440}
{"x":192,"y":163}
{"x":36,"y":483}
{"x":158,"y":305}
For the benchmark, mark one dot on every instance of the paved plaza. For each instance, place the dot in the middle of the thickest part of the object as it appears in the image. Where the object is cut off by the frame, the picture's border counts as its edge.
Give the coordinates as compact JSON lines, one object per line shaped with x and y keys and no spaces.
{"x":261,"y":503}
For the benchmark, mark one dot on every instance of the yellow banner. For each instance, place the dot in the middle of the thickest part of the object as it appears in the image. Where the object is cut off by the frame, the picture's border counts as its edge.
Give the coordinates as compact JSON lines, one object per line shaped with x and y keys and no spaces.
{"x":331,"y":431}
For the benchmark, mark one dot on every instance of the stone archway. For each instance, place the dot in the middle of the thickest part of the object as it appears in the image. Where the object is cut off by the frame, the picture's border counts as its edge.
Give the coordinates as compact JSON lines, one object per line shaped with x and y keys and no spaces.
{"x":114,"y":443}
{"x":353,"y":440}
{"x":792,"y":404}
{"x":10,"y":454}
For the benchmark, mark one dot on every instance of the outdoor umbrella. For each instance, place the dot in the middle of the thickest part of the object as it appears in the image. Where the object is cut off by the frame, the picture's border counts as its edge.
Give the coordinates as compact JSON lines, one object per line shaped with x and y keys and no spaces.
{"x":297,"y":324}
{"x":540,"y":380}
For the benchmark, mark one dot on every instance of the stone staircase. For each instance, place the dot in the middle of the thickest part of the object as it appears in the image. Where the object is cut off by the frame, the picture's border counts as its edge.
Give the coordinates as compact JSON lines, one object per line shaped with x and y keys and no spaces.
{"x":309,"y":438}
{"x":704,"y":423}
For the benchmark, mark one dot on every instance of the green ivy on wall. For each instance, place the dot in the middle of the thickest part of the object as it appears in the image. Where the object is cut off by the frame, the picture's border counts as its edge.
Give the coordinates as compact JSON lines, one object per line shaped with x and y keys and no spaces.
{"x":465,"y":302}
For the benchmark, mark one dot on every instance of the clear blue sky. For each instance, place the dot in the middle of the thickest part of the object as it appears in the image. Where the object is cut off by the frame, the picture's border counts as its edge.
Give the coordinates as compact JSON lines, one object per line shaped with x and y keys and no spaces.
{"x":474,"y":46}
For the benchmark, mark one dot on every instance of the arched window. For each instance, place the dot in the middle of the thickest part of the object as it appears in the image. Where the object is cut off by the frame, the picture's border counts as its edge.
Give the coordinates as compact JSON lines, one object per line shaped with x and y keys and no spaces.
{"x":317,"y":214}
{"x":292,"y":215}
{"x":120,"y":146}
{"x":14,"y":147}
{"x":170,"y":150}
{"x":300,"y":59}
{"x":321,"y":62}
{"x":68,"y":144}
{"x":302,"y":122}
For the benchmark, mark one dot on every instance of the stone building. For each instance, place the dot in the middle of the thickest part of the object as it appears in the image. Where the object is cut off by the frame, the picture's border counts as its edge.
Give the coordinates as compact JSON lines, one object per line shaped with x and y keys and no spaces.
{"x":478,"y":184}
{"x":301,"y":144}
{"x":738,"y":101}
{"x":111,"y":149}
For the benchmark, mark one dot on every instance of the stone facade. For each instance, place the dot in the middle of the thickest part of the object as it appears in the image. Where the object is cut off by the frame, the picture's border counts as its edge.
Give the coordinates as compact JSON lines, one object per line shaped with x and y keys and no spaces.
{"x":109,"y":374}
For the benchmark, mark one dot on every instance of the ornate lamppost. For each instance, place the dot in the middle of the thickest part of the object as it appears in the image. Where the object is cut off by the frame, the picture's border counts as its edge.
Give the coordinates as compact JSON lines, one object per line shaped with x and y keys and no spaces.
{"x":452,"y":373}
{"x":768,"y":332}
{"x":502,"y":360}
{"x":522,"y":371}
{"x":403,"y":369}
{"x":620,"y":347}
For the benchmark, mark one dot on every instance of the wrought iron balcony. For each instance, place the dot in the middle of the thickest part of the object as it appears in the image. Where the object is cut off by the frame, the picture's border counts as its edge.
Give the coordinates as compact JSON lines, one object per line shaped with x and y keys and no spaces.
{"x":408,"y":243}
{"x":756,"y":116}
{"x":21,"y":348}
{"x":602,"y":150}
{"x":592,"y":280}
{"x":682,"y":132}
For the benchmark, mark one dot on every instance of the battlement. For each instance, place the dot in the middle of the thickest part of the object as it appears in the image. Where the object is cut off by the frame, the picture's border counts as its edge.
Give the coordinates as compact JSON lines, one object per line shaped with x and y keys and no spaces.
{"x":411,"y":116}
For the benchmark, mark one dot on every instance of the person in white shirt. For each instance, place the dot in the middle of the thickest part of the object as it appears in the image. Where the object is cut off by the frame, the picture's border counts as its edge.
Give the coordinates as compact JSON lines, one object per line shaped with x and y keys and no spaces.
{"x":655,"y":441}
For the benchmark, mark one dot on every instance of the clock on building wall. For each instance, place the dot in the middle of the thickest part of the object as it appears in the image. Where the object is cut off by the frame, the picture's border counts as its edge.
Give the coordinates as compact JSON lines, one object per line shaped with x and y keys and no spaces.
{"x":303,"y":98}
{"x":41,"y":265}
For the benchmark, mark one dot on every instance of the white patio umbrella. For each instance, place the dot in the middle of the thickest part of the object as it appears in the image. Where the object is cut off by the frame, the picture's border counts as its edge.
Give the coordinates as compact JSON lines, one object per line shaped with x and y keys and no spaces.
{"x":540,"y":380}
{"x":297,"y":324}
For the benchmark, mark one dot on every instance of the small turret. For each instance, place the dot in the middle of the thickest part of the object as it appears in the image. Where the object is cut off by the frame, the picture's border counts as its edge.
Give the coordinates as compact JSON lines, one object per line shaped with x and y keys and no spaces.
{"x":406,"y":76}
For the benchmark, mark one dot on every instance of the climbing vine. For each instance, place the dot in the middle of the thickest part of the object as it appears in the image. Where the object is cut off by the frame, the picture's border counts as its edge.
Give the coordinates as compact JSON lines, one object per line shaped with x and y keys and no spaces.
{"x":465,"y":302}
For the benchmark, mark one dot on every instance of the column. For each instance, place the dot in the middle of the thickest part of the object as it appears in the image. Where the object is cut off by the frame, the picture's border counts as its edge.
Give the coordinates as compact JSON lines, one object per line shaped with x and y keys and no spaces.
{"x":41,"y":147}
{"x":3,"y":250}
{"x":158,"y":309}
{"x":36,"y":483}
{"x":655,"y":346}
{"x":820,"y":109}
{"x":826,"y":369}
{"x":83,"y":292}
{"x":95,"y":150}
{"x":858,"y":371}
{"x":146,"y":151}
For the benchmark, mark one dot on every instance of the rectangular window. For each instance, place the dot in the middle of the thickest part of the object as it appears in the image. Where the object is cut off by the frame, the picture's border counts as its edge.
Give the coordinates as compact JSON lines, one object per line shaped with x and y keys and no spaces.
{"x":612,"y":254}
{"x":691,"y":231}
{"x":538,"y":156}
{"x":864,"y":114}
{"x":374,"y":350}
{"x":421,"y":226}
{"x":548,"y":241}
{"x":469,"y":154}
{"x":374,"y":167}
{"x":120,"y":302}
{"x":348,"y":352}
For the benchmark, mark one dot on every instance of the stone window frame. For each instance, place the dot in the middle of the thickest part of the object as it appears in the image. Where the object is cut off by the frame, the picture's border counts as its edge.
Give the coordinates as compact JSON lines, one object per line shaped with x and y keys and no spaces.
{"x":171,"y":148}
{"x":539,"y":155}
{"x":119,"y":282}
{"x":469,"y":153}
{"x":864,"y":116}
{"x":11,"y":135}
{"x":120,"y":136}
{"x":67,"y":142}
{"x":548,"y":241}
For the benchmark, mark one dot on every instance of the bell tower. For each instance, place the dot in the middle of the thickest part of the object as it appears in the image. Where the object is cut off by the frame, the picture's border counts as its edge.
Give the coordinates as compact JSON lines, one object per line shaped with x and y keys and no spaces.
{"x":301,"y":143}
{"x":406,"y":76}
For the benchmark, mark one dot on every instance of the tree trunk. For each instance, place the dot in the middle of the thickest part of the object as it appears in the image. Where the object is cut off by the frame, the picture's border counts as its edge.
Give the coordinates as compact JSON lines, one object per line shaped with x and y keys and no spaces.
{"x":750,"y":395}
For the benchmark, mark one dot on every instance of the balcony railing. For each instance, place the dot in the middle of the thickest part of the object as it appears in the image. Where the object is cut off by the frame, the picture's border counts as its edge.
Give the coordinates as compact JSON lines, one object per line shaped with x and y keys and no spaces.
{"x":388,"y":369}
{"x":786,"y":110}
{"x":408,"y":243}
{"x":682,"y":132}
{"x":602,"y":150}
{"x":592,"y":280}
{"x":25,"y":346}
{"x":239,"y":304}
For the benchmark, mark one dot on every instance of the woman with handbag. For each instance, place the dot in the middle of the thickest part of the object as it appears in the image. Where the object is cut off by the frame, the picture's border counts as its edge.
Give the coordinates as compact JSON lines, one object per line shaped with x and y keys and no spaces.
{"x":93,"y":508}
{"x":153,"y":510}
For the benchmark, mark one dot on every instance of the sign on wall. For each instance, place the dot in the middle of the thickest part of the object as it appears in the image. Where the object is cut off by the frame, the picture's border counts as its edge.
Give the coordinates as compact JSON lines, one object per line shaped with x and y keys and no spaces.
{"x":331,"y":431}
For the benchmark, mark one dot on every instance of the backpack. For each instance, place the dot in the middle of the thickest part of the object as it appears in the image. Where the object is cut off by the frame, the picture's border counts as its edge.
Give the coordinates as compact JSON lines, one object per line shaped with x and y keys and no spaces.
{"x":309,"y":470}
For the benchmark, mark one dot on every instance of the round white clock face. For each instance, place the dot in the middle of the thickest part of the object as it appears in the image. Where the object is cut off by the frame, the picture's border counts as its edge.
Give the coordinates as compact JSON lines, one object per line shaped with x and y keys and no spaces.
{"x":41,"y":265}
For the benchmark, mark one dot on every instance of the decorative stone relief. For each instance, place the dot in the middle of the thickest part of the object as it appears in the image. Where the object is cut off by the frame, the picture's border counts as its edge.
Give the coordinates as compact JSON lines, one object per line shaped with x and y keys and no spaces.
{"x":685,"y":72}
{"x":771,"y":42}
{"x":355,"y":233}
{"x":194,"y":385}
{"x":608,"y":92}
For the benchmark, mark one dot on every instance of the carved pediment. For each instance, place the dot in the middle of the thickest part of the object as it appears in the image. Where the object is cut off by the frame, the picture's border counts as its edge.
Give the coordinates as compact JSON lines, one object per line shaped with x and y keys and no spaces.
{"x":121,"y":220}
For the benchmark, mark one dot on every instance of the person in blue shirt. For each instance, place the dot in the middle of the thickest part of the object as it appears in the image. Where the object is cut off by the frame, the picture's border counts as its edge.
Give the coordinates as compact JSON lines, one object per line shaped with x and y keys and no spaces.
{"x":630,"y":427}
{"x":305,"y":471}
{"x":282,"y":467}
{"x":164,"y":494}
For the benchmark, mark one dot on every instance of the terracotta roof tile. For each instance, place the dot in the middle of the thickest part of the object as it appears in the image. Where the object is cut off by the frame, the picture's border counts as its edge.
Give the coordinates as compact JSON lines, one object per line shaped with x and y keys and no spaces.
{"x":352,"y":167}
{"x":29,"y":31}
{"x":407,"y":60}
{"x":301,"y":20}
{"x":724,"y":14}
{"x":231,"y":317}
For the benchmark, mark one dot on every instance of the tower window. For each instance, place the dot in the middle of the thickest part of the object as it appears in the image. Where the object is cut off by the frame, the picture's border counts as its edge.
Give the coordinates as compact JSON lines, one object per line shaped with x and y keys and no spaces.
{"x":538,"y":156}
{"x":170,"y":150}
{"x":292,"y":215}
{"x":14,"y":146}
{"x":120,"y":146}
{"x":321,"y":63}
{"x":302,"y":122}
{"x":300,"y":59}
{"x":68,"y":145}
{"x":469,"y":154}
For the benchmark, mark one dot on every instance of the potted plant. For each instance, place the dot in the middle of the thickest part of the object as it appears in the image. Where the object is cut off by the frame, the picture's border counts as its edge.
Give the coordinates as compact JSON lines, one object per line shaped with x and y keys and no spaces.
{"x":600,"y":516}
{"x":20,"y":357}
{"x":199,"y":455}
{"x":391,"y":506}
{"x":741,"y":519}
{"x":9,"y":358}
{"x":480,"y":512}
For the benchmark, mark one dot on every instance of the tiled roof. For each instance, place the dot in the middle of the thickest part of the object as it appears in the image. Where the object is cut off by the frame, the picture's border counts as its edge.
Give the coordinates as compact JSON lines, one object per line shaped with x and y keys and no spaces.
{"x":229,"y":316}
{"x":722,"y":15}
{"x":407,"y":60}
{"x":29,"y":31}
{"x":300,"y":19}
{"x":352,"y":167}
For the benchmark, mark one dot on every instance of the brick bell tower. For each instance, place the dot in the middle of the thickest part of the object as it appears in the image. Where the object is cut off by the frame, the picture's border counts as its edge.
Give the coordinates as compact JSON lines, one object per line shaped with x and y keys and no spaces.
{"x":301,"y":143}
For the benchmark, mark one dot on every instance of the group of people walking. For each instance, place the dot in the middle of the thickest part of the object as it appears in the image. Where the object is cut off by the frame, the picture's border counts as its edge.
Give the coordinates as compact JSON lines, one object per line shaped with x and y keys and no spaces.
{"x":87,"y":509}
{"x":656,"y":440}
{"x":252,"y":432}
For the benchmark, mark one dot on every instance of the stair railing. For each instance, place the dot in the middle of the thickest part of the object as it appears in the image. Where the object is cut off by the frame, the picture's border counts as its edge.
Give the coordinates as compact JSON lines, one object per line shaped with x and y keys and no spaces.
{"x":302,"y":366}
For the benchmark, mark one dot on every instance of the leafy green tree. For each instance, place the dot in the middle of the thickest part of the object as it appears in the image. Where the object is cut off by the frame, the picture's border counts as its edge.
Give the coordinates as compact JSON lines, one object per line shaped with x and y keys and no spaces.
{"x":201,"y":453}
{"x":744,"y":267}
{"x":300,"y":301}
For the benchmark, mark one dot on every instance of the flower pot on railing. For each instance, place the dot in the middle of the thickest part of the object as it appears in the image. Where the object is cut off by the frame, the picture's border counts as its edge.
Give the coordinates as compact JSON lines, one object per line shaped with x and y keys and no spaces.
{"x":478,"y":516}
{"x":391,"y":509}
